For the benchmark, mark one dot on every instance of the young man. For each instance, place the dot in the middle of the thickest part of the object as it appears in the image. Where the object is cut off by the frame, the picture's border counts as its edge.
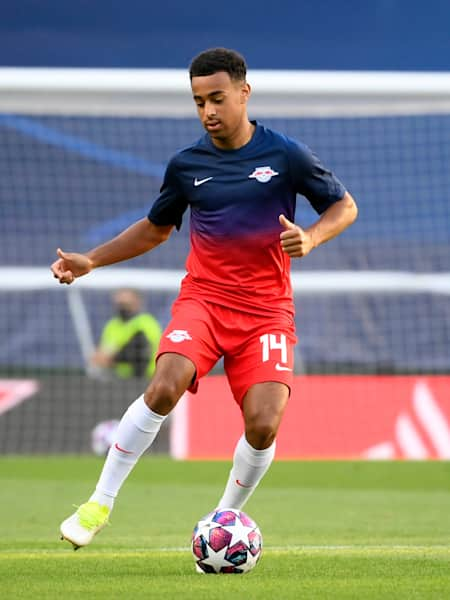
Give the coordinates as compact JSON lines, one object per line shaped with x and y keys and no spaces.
{"x":240,"y":181}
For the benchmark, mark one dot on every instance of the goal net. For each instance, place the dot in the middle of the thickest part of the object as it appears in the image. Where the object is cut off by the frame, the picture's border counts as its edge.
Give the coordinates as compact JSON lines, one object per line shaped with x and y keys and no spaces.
{"x":83,"y":154}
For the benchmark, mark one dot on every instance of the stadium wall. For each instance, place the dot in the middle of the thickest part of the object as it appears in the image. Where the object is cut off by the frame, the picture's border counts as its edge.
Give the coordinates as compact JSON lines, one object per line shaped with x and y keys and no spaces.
{"x":328,"y":417}
{"x":382,"y":34}
{"x":57,"y":413}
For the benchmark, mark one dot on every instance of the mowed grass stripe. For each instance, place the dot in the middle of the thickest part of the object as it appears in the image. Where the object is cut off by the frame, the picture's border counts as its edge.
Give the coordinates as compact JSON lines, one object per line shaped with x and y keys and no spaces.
{"x":331,"y":532}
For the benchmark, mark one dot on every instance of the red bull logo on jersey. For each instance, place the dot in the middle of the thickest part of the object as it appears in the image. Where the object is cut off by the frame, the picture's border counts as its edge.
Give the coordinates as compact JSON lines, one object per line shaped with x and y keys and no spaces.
{"x":263,"y":174}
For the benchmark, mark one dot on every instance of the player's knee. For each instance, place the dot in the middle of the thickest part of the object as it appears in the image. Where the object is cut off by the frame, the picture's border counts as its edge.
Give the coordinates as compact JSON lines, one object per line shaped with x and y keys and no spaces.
{"x":161,"y":395}
{"x":261,"y":433}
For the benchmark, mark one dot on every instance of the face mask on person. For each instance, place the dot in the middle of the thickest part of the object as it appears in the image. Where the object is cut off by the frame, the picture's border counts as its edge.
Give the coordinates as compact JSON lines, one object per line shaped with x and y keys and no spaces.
{"x":124,"y":313}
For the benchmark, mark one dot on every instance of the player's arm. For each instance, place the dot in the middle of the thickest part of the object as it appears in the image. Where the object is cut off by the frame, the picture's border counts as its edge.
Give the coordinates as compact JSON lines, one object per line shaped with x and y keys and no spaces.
{"x":298,"y":242}
{"x":137,"y":239}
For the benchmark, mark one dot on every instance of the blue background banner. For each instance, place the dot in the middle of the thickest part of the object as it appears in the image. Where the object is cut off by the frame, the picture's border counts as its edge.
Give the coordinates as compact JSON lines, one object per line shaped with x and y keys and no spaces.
{"x":309,"y":34}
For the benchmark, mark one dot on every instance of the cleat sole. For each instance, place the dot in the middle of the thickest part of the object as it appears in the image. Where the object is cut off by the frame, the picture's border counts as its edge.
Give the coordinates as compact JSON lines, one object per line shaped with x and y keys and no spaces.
{"x":75,"y":546}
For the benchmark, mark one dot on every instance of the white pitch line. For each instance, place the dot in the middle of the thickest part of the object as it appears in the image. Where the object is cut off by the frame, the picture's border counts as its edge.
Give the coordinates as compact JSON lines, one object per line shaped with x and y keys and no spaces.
{"x":360,"y":547}
{"x":301,"y":548}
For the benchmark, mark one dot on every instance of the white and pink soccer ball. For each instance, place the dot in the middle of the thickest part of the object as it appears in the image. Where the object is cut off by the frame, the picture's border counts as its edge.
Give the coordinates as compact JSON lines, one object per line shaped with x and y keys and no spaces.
{"x":226,"y":541}
{"x":103,"y":435}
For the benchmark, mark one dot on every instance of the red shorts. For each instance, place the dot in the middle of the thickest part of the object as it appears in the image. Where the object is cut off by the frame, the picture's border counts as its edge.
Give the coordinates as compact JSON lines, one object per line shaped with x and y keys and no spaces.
{"x":255,"y":348}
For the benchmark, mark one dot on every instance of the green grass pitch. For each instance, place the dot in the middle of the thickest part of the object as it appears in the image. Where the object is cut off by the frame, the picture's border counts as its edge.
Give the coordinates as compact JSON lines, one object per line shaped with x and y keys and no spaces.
{"x":357,"y":530}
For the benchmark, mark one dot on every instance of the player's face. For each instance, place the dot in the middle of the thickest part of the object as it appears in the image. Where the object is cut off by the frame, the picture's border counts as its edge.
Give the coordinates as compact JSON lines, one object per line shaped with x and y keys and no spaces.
{"x":221,"y":106}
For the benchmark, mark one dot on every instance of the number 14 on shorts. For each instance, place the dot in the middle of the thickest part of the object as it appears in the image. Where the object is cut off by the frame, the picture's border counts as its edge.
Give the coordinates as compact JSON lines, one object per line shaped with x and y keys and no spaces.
{"x":270,"y":343}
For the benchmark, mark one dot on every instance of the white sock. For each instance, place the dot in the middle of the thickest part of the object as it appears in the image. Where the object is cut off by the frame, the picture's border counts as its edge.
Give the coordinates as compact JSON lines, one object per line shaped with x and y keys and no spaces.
{"x":249,"y":467}
{"x":136,"y":431}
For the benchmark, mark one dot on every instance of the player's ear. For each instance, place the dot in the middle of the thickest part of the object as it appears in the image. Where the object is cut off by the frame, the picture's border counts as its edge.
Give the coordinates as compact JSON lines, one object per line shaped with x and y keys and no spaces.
{"x":246,"y":90}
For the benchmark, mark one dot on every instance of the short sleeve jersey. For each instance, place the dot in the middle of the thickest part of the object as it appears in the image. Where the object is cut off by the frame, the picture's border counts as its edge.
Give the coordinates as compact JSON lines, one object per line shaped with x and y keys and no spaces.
{"x":235,"y":198}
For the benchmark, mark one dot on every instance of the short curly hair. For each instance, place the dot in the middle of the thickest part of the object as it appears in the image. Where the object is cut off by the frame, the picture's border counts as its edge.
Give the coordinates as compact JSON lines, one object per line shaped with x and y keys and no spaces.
{"x":214,"y":60}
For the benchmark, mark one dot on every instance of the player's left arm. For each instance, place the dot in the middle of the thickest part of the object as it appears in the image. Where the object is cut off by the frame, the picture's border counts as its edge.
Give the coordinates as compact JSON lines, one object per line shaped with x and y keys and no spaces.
{"x":298,"y":242}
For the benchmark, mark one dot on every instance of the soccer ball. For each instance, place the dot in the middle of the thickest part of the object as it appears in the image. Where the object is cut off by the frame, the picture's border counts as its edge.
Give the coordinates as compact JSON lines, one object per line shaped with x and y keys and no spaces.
{"x":103,"y":435}
{"x":226,"y":541}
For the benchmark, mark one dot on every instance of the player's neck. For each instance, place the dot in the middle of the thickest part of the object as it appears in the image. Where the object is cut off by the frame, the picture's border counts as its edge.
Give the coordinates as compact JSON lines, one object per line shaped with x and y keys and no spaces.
{"x":240,"y":138}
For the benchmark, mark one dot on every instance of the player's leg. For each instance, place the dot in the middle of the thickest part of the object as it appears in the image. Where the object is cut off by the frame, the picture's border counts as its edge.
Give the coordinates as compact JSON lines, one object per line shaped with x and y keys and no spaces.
{"x":259,"y":364}
{"x":186,"y":350}
{"x":263,"y":407}
{"x":137,"y":430}
{"x":141,"y":423}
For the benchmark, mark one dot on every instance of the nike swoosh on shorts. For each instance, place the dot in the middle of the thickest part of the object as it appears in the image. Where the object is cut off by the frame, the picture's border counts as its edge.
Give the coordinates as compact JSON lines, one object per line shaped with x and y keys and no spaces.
{"x":279,"y":367}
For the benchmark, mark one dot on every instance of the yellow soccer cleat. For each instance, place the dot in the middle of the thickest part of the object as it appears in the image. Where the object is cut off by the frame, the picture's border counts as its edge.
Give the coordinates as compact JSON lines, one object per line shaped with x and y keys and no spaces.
{"x":81,"y":527}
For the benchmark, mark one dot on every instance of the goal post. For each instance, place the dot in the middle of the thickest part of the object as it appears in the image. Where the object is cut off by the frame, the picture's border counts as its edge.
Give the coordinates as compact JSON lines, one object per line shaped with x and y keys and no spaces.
{"x":166,"y":92}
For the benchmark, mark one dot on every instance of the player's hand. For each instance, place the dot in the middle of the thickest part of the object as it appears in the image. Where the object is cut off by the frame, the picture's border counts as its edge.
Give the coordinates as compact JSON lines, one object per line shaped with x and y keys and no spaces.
{"x":70,"y":265}
{"x":294,"y":240}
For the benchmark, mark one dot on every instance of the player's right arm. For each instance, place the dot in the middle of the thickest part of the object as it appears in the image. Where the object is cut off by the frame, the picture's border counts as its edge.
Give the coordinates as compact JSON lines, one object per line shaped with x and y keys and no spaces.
{"x":139,"y":238}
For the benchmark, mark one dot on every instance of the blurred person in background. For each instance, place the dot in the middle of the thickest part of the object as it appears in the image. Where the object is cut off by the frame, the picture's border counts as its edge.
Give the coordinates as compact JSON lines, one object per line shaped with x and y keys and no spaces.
{"x":129,"y":340}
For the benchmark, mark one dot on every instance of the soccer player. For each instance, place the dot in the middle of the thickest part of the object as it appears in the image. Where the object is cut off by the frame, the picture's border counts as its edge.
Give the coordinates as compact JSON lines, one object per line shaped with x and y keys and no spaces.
{"x":240,"y":181}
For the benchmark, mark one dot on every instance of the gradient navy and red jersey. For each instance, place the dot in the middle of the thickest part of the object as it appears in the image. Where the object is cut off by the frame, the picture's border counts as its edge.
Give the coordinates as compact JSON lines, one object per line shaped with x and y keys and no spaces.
{"x":235,"y":198}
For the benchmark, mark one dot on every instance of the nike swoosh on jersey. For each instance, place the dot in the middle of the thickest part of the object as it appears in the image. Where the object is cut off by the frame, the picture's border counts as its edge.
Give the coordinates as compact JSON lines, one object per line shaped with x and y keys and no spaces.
{"x":279,"y":367}
{"x":198,"y":182}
